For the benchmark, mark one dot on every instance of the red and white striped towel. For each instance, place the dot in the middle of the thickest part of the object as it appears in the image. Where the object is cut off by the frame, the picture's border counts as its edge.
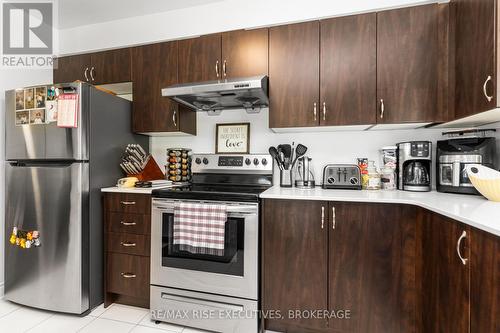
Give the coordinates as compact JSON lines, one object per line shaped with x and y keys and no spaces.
{"x":200,"y":228}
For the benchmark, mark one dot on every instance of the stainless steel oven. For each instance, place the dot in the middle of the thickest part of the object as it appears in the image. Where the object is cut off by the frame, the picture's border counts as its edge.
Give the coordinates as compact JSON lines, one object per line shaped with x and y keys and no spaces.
{"x":213,"y":292}
{"x":201,"y":285}
{"x":234,"y":274}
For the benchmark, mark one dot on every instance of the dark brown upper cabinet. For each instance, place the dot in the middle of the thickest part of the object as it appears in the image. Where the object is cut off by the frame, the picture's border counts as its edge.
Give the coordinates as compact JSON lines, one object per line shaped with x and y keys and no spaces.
{"x":111,"y":66}
{"x":295,"y":262}
{"x":228,"y":55}
{"x":407,"y":65}
{"x":294,"y":75}
{"x":199,"y":59}
{"x":245,"y":53}
{"x":475,"y":51}
{"x":154,"y":67}
{"x":348,"y":70}
{"x":72,"y":68}
{"x":95,"y":68}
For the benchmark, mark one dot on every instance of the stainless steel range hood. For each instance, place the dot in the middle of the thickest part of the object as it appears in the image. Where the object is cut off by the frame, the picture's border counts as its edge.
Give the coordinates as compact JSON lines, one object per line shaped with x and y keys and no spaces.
{"x":213,"y":96}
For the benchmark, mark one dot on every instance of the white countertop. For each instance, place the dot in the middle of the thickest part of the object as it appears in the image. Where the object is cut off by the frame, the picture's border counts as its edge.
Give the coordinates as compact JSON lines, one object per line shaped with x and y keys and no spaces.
{"x":136,"y":190}
{"x":475,"y":211}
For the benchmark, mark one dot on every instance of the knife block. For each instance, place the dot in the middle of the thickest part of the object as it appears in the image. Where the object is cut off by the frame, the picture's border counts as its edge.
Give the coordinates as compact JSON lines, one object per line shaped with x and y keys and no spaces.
{"x":151,"y":171}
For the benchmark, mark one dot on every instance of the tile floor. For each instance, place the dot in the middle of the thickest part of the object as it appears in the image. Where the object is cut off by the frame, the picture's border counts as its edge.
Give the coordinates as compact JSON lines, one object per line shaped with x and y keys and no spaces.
{"x":115,"y":319}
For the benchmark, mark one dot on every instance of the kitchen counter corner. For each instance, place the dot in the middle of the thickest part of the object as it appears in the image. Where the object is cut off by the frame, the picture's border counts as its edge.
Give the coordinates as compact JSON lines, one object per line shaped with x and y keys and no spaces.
{"x":475,"y":211}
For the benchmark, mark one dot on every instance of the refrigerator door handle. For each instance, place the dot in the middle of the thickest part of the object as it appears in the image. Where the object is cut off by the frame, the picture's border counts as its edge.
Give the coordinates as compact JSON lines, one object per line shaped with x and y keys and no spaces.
{"x":44,"y":164}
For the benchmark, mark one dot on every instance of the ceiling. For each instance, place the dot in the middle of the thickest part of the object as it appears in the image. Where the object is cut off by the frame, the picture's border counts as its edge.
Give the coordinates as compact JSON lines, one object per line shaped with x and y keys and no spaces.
{"x":74,"y":13}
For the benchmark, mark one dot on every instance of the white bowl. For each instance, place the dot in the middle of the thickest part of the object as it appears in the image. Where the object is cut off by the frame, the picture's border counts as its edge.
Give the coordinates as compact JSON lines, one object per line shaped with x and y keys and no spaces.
{"x":485,"y":180}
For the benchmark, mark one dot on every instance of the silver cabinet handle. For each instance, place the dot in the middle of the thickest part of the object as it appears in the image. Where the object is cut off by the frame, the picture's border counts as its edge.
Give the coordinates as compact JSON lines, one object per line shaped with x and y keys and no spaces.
{"x":485,"y":85}
{"x":128,"y":275}
{"x":224,"y":66}
{"x":322,"y":217}
{"x":324,"y":111}
{"x":333,"y":218}
{"x":217,"y":68}
{"x":459,"y":242}
{"x":174,"y":117}
{"x":127,"y":223}
{"x":382,"y":109}
{"x":92,"y":73}
{"x":85,"y":74}
{"x":127,"y":203}
{"x":315,"y":111}
{"x":127,"y":244}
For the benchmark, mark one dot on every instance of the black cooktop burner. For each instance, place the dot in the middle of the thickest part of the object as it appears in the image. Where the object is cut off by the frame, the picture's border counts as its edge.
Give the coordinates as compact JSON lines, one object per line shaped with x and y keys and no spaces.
{"x":212,"y":192}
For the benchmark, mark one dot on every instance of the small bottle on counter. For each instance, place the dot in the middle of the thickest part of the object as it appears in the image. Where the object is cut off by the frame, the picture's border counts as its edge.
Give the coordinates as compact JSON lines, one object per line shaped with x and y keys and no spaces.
{"x":388,"y":179}
{"x":374,"y":181}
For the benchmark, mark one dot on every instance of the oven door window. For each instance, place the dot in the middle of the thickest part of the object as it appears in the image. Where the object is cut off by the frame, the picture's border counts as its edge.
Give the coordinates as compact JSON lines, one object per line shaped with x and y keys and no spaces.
{"x":230,"y":263}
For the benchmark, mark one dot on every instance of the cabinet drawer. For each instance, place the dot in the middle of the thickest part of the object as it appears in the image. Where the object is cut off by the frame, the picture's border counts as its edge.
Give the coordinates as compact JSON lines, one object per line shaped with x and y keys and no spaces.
{"x":129,"y":203}
{"x":129,"y":223}
{"x":128,"y":244}
{"x":127,"y":275}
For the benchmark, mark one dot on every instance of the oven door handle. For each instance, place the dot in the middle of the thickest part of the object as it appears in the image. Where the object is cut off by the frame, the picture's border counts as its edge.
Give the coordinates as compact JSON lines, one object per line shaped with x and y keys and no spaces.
{"x":231,"y":210}
{"x":202,"y":302}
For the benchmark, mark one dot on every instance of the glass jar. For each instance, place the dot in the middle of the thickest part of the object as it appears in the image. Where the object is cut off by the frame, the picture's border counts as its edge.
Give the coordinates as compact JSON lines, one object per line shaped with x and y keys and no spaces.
{"x":388,"y":179}
{"x":374,"y":180}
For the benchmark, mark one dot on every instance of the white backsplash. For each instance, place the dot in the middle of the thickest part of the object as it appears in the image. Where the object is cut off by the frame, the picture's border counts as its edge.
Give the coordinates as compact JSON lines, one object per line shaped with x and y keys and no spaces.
{"x":323,"y":147}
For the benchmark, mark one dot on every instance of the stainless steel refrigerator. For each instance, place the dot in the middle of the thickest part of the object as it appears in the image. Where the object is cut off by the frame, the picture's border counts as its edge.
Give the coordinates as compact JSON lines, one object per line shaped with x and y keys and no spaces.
{"x":53,"y":181}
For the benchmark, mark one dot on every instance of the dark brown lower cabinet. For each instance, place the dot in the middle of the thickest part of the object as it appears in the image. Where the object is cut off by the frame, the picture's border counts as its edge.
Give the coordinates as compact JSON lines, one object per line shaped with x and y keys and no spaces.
{"x":372,"y":271}
{"x":445,"y":277}
{"x":485,"y":282}
{"x":376,"y":268}
{"x":350,"y":260}
{"x":127,"y":243}
{"x":295,"y":263}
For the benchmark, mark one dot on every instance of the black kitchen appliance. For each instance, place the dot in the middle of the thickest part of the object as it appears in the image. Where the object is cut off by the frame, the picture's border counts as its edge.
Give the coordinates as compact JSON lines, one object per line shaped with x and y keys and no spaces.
{"x":414,"y":166}
{"x":454,"y":155}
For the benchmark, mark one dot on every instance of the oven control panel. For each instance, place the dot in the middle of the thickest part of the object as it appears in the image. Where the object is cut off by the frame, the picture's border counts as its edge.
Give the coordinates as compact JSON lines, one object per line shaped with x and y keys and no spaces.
{"x":206,"y":163}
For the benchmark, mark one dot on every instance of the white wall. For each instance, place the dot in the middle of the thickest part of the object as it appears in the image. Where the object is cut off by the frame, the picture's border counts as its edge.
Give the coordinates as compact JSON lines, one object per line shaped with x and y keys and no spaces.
{"x":216,"y":17}
{"x":11,"y":79}
{"x":323,"y":147}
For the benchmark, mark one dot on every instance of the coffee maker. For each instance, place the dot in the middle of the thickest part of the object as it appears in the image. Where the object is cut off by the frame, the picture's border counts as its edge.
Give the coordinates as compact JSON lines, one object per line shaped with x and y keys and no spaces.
{"x":454,"y":155}
{"x":414,"y":166}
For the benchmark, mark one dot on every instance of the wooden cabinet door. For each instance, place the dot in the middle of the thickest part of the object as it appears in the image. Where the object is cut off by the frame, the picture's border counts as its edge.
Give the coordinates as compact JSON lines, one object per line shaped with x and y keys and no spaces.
{"x":72,"y":68}
{"x":373,"y":254}
{"x":200,"y":59}
{"x":348,"y":70}
{"x":445,"y":278}
{"x":485,"y":282}
{"x":407,"y":58}
{"x":475,"y":56}
{"x":154,"y":67}
{"x":294,"y":75}
{"x":245,"y":53}
{"x":295,"y":261}
{"x":112,"y":66}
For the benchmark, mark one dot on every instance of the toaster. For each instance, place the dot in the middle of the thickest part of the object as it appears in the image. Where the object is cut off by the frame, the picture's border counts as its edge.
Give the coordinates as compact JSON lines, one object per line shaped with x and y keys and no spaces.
{"x":342,"y":176}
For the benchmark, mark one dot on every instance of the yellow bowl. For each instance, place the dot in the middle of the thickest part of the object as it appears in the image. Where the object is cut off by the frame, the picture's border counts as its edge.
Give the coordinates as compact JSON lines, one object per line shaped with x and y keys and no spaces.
{"x":485,"y":180}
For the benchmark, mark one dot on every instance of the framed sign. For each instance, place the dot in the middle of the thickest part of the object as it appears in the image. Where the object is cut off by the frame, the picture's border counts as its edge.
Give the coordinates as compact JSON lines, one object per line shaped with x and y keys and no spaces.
{"x":232,"y":138}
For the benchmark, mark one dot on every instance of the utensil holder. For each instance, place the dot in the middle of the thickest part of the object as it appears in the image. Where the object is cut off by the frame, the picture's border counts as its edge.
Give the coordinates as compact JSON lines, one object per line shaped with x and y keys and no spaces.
{"x":286,"y":178}
{"x":151,"y":171}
